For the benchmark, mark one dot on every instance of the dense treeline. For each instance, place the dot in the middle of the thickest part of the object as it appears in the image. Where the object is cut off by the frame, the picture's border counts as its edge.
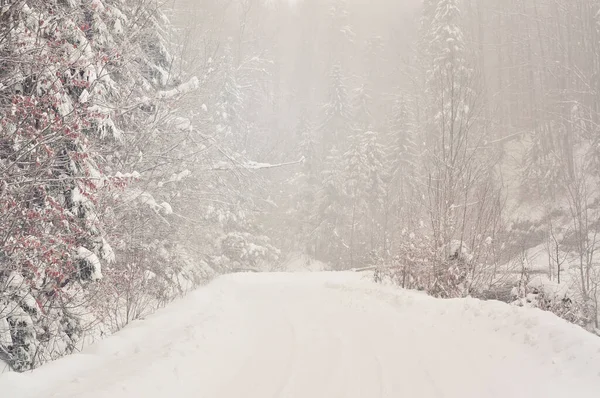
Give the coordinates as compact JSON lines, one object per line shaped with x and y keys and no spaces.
{"x":116,"y":196}
{"x":450,"y":142}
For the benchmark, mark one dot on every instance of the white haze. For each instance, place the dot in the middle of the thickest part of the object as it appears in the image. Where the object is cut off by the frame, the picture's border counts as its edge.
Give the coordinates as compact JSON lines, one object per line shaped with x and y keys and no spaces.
{"x":424,"y":126}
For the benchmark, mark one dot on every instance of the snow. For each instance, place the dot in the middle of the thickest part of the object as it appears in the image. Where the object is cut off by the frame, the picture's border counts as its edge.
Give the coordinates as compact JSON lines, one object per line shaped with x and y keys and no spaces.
{"x":118,"y":27}
{"x":180,"y":176}
{"x":176,"y":177}
{"x":303,"y":263}
{"x":97,"y":5}
{"x":166,"y":208}
{"x":550,"y":288}
{"x":84,"y":97}
{"x":15,"y":287}
{"x":107,"y":252}
{"x":184,"y":88}
{"x":105,"y":124}
{"x":459,"y":249}
{"x":146,"y":198}
{"x":134,"y":175}
{"x":64,"y":105}
{"x":14,"y":282}
{"x":326,"y":335}
{"x":5,"y":337}
{"x":92,"y":260}
{"x":182,"y":123}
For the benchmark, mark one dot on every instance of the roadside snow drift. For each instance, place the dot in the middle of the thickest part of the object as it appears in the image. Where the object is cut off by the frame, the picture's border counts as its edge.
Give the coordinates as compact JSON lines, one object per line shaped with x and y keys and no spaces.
{"x":326,"y":335}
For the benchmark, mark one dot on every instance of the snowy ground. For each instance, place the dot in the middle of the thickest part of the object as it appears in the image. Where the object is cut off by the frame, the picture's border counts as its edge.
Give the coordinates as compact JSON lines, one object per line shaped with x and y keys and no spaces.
{"x":326,"y":335}
{"x":297,"y":262}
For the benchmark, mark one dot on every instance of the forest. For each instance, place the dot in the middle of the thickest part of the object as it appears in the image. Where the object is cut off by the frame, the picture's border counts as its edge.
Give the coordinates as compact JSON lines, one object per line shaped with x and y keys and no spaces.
{"x":147,"y":146}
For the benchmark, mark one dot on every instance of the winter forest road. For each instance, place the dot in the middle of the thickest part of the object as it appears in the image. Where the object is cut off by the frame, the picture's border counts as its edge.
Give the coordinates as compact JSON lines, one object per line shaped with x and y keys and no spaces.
{"x":326,"y":335}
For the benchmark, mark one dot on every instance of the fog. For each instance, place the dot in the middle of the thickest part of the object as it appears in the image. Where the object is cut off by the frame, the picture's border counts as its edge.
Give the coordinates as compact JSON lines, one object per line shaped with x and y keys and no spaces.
{"x":461,"y":133}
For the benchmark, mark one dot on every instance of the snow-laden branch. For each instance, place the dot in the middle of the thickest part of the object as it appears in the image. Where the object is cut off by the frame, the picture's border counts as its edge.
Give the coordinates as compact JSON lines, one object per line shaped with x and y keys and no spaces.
{"x":251,"y":165}
{"x":184,"y":88}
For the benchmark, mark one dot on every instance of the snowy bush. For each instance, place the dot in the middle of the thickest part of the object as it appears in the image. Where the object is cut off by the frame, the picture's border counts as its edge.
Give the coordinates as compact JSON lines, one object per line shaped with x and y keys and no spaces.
{"x":74,"y":77}
{"x":52,"y":174}
{"x":442,"y":272}
{"x":540,"y":292}
{"x":245,"y":250}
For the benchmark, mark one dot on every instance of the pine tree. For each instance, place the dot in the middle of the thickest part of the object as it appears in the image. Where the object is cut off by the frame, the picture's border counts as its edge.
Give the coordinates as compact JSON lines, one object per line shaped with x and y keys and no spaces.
{"x":402,"y":156}
{"x":449,"y":76}
{"x":308,"y":147}
{"x":377,"y":186}
{"x":355,"y":187}
{"x":336,"y":124}
{"x":403,"y":151}
{"x":448,"y":132}
{"x":340,"y":32}
{"x":329,"y":213}
{"x":361,"y":110}
{"x":230,"y":104}
{"x":365,"y":185}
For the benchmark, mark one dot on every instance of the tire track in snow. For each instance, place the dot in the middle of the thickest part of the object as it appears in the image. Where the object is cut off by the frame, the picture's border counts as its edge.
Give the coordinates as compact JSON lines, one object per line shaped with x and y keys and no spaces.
{"x":290,"y":363}
{"x":267,"y":368}
{"x":379,"y":375}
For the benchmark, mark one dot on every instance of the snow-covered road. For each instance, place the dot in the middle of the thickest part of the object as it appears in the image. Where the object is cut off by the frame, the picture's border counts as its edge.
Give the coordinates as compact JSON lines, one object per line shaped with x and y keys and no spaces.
{"x":326,"y":335}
